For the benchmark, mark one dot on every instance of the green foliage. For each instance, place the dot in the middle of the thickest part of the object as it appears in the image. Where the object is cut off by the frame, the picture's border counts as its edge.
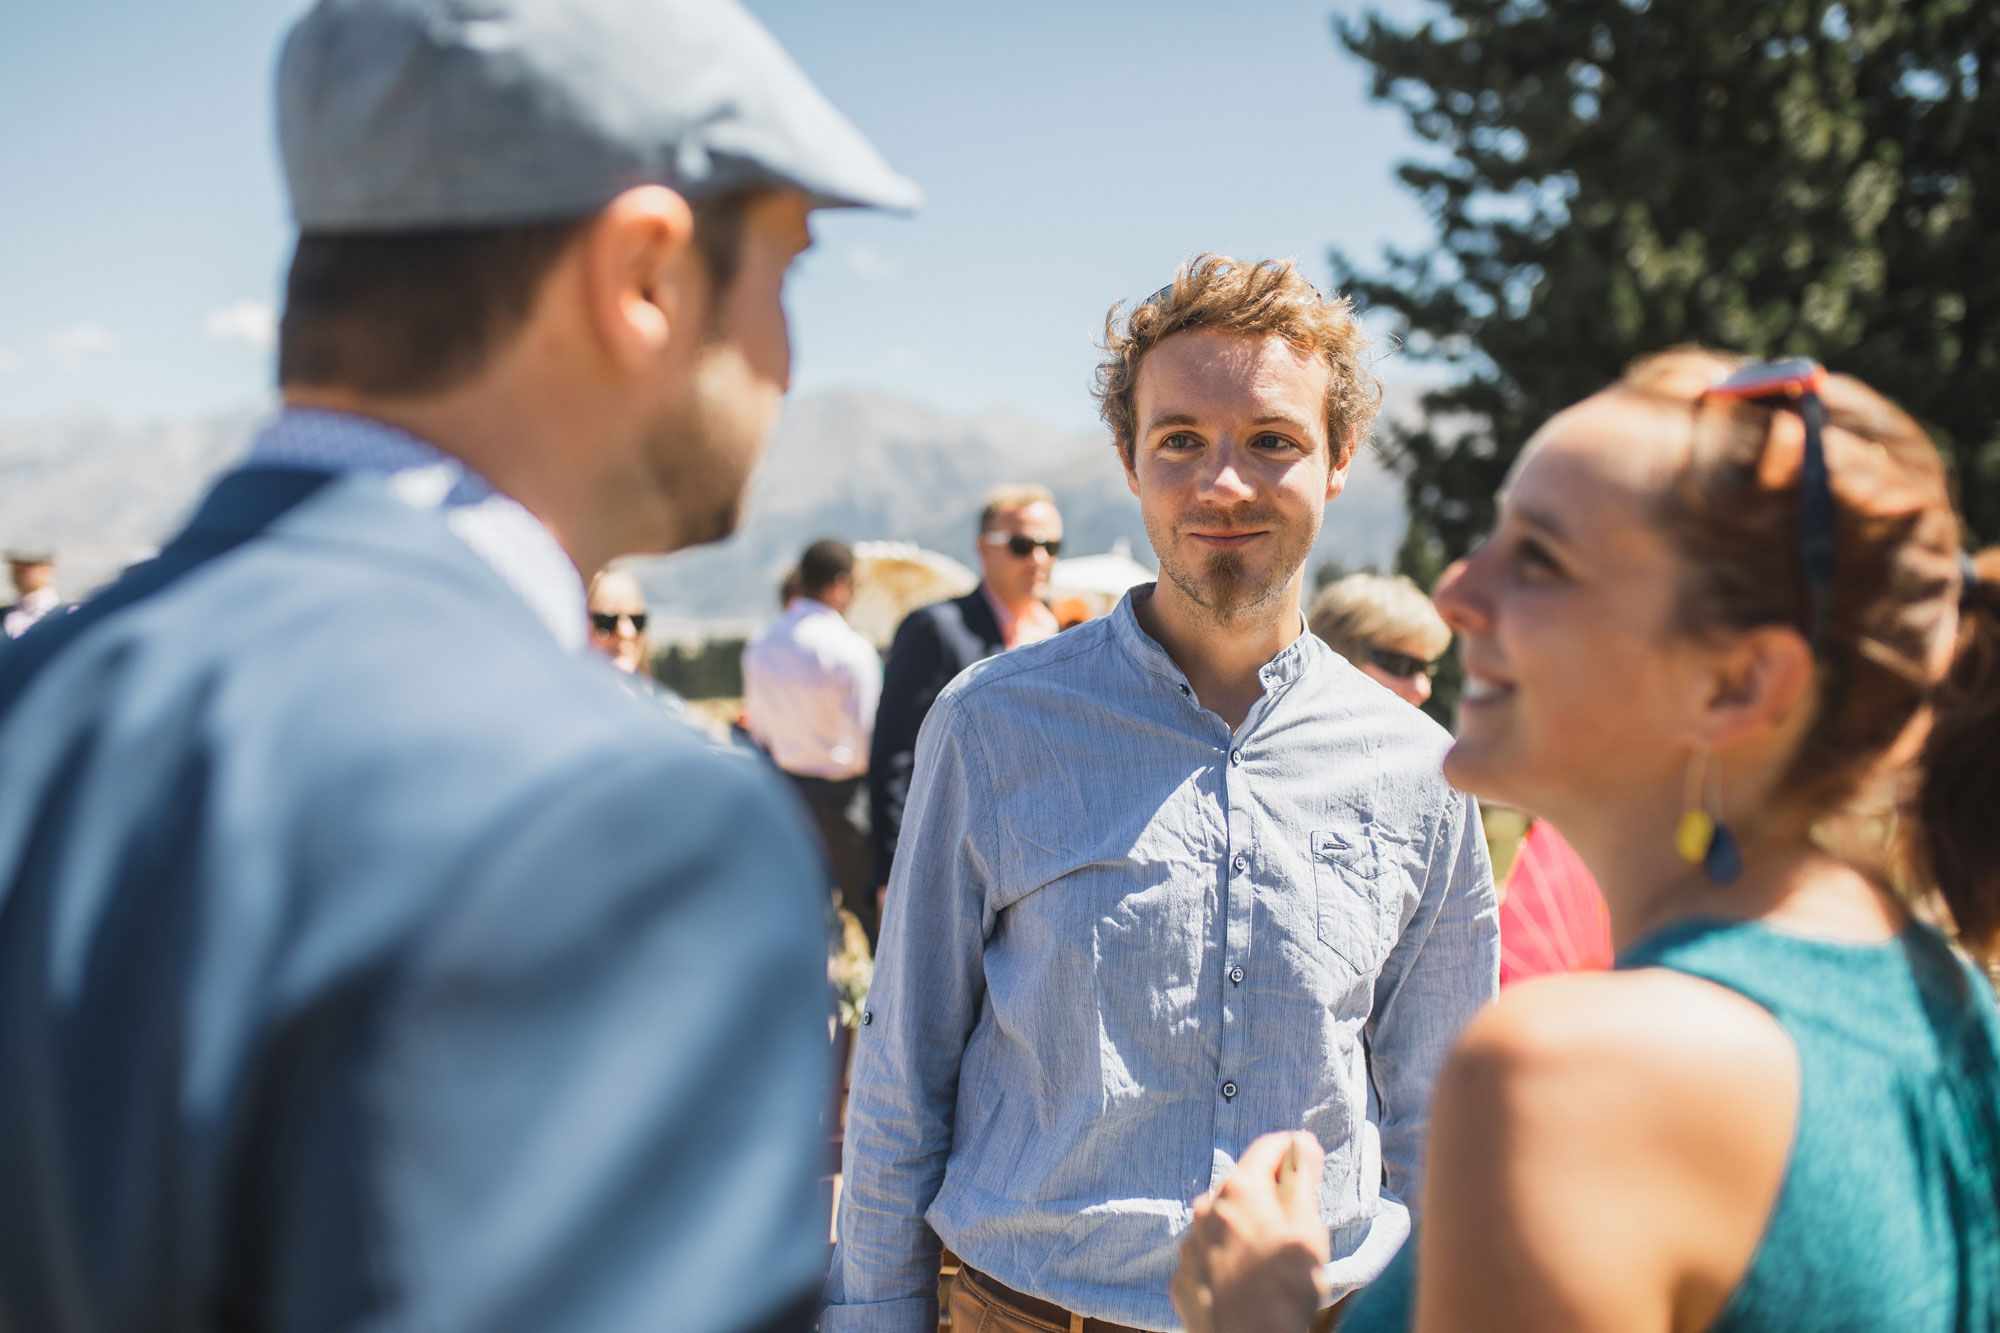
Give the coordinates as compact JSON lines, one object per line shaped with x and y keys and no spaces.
{"x":1421,"y":559}
{"x":713,"y":670}
{"x":1618,"y":176}
{"x":1331,"y":571}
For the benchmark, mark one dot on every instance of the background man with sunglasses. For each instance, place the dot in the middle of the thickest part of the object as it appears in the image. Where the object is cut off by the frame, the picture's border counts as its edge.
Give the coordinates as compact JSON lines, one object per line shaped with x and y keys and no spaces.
{"x":33,"y":569}
{"x":1020,"y":535}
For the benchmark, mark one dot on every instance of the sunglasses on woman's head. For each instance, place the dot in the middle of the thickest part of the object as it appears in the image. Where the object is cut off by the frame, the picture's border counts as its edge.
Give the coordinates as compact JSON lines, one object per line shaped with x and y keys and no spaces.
{"x":606,"y":622}
{"x":1795,"y":383}
{"x":1021,"y":545}
{"x":1401,"y":665}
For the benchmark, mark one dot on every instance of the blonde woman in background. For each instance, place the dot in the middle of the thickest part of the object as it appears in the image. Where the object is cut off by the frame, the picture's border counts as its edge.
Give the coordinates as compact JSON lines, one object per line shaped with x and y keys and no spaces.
{"x":618,"y":630}
{"x":1386,"y":626}
{"x":618,"y":620}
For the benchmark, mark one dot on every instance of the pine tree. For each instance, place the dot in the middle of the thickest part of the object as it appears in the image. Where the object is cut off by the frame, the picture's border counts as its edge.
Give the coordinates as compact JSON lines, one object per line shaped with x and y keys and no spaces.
{"x":1618,"y":176}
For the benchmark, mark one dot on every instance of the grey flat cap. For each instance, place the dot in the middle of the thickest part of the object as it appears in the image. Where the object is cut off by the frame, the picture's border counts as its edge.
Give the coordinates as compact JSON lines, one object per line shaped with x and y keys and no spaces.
{"x":30,"y":553}
{"x":400,"y":115}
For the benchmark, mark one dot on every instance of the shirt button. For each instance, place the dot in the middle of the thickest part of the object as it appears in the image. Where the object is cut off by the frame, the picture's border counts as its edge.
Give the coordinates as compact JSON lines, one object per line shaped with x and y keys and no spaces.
{"x":867,"y":1017}
{"x":1236,"y":975}
{"x":1242,"y":862}
{"x":1228,"y":1090}
{"x":1236,"y":756}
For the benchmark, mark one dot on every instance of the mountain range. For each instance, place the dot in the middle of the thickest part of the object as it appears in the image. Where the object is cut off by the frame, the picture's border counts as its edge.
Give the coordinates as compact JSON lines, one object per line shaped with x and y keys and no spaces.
{"x":851,"y":463}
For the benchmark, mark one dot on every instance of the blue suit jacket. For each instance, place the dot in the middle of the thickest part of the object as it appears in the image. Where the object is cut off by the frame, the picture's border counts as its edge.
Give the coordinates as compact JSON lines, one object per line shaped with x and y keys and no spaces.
{"x":366,"y":961}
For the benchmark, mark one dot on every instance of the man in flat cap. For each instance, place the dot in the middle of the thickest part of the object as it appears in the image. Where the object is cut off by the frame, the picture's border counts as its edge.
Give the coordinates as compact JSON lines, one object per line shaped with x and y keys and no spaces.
{"x":368,"y":957}
{"x":33,"y":571}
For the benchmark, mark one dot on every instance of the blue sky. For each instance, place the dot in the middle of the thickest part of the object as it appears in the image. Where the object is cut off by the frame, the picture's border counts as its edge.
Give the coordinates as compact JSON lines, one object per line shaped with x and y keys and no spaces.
{"x":1072,"y":152}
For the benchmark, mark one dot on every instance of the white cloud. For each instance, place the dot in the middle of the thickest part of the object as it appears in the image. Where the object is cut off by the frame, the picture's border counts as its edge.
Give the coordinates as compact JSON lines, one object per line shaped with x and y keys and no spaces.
{"x":252,"y":323}
{"x":10,"y":361}
{"x":79,"y":342}
{"x":868,"y":262}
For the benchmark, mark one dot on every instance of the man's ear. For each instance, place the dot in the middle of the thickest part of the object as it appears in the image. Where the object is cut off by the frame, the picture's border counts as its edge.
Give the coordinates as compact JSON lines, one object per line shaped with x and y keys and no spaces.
{"x":1341,"y":460}
{"x":1761,"y":683}
{"x":1126,"y":454}
{"x":643,"y":283}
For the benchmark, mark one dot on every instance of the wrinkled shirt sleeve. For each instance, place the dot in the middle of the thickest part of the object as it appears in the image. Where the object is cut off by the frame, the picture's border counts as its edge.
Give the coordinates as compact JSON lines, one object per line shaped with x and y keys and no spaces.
{"x":928,"y":988}
{"x":1445,"y":968}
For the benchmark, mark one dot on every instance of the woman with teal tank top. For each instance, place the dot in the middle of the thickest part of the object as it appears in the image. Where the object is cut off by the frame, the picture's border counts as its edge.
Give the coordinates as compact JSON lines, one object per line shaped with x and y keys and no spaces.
{"x":1723,"y":611}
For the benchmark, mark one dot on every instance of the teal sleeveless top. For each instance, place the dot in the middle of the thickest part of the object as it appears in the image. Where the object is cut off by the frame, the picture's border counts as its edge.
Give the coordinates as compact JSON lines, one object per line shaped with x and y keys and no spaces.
{"x":1889,"y":1213}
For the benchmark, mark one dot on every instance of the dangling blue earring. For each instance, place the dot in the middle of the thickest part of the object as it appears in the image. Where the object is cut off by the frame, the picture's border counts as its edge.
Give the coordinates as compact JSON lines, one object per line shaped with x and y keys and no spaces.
{"x":1701,"y":838}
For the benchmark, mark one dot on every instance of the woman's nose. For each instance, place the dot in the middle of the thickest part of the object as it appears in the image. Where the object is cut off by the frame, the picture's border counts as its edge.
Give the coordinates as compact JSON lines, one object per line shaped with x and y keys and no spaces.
{"x":1457,"y":598}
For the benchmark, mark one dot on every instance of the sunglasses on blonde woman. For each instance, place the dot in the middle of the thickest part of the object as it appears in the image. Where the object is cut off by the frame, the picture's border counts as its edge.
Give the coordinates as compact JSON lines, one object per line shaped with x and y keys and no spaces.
{"x":1402,"y":665}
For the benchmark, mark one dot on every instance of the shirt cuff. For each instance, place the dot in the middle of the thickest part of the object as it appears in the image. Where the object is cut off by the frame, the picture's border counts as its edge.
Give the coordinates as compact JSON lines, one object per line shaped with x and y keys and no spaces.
{"x":918,"y":1314}
{"x":1387,"y":1234}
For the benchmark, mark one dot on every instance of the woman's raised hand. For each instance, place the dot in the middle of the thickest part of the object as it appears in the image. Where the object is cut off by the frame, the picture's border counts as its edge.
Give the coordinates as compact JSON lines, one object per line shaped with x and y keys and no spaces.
{"x":1251,"y":1261}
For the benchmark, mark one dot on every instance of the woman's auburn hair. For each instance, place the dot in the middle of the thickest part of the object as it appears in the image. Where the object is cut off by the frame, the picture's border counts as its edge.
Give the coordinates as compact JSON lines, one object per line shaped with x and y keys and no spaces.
{"x":1271,"y":296}
{"x":1892,"y":665}
{"x":1956,"y":809}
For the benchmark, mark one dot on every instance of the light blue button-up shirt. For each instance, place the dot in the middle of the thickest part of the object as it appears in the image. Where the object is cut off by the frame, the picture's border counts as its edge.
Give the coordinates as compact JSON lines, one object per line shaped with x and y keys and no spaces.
{"x":1122,"y":942}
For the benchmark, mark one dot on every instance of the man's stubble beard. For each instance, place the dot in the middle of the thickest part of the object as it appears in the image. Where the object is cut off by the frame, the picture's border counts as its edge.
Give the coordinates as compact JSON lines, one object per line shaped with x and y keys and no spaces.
{"x":1217,"y":583}
{"x":704,"y":451}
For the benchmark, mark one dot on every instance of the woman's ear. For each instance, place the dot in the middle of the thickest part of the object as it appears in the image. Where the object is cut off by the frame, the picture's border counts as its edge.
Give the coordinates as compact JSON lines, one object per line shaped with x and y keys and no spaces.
{"x":1760,"y":686}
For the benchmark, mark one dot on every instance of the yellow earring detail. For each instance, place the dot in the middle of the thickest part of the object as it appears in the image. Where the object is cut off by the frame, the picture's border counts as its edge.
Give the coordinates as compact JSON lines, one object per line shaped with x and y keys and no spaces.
{"x":1691,"y":839}
{"x":1701,"y":838}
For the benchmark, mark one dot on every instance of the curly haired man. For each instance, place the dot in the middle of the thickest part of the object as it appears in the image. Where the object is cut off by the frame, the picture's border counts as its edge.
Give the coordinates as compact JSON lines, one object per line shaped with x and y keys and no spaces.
{"x":1166,"y":880}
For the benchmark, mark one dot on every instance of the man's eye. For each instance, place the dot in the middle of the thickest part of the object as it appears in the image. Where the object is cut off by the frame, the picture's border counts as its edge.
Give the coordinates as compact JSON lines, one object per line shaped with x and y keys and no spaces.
{"x":1271,"y":441}
{"x":1180,"y":439}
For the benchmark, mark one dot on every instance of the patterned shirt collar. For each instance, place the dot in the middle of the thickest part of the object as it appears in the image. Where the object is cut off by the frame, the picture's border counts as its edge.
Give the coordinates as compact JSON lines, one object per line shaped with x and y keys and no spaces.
{"x":523,"y":552}
{"x":1292,"y":661}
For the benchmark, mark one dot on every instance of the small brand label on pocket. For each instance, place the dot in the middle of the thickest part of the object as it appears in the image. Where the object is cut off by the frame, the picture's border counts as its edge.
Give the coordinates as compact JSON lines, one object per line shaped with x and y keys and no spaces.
{"x":1354,"y":919}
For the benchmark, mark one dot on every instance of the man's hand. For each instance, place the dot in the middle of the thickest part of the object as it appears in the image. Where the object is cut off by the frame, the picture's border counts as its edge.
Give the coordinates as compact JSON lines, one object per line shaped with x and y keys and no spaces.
{"x":1251,"y":1261}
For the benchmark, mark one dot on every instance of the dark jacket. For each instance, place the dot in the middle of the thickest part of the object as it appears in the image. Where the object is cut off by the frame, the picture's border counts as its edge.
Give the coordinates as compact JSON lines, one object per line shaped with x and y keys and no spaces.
{"x":933,"y":644}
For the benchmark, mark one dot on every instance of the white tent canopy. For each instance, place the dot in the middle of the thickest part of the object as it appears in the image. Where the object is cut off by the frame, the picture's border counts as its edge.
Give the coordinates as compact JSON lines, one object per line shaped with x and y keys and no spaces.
{"x":892,"y":579}
{"x":1098,"y":579}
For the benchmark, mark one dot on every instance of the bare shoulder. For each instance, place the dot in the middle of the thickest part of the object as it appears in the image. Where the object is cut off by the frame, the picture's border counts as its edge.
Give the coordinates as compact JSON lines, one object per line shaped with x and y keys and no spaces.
{"x":1676,"y":1055}
{"x":1606,"y":1150}
{"x":1635,"y":1020}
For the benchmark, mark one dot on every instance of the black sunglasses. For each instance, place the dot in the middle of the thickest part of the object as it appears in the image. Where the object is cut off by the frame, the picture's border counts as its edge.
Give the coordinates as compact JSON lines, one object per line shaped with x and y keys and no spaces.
{"x":1795,"y":383}
{"x":1401,"y":665}
{"x":606,"y":622}
{"x":1021,"y":545}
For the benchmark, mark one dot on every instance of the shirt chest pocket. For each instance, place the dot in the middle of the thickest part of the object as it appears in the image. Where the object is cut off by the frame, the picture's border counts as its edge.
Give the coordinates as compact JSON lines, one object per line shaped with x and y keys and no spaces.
{"x":1358,"y":910}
